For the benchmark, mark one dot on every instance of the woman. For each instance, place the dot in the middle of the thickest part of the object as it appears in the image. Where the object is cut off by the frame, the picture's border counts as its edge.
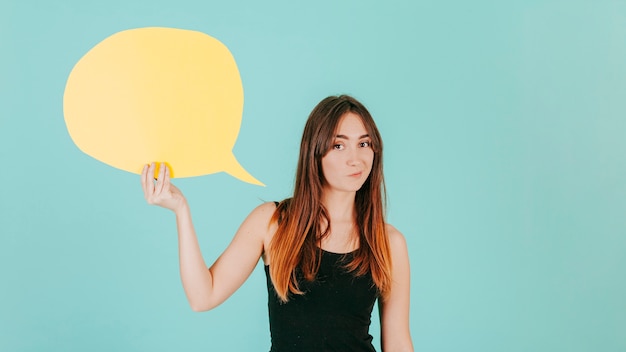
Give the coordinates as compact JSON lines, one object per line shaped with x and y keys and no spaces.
{"x":327,"y":251}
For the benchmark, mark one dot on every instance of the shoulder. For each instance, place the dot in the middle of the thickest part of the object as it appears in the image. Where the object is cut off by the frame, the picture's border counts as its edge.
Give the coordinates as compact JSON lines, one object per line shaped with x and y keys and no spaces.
{"x":262,"y":214}
{"x":396,"y":238}
{"x":265,"y":208}
{"x":397,"y":245}
{"x":261,"y":222}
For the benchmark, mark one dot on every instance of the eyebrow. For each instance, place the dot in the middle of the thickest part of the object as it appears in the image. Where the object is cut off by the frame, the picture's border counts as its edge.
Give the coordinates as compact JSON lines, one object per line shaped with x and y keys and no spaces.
{"x":343,"y":136}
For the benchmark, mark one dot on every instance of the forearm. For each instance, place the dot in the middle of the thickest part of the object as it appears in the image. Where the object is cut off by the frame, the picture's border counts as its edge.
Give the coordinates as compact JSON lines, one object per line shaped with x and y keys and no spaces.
{"x":195,"y":276}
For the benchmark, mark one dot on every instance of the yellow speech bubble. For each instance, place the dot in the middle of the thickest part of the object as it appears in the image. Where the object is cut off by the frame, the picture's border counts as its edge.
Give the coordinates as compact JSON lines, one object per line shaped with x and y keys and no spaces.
{"x":158,"y":94}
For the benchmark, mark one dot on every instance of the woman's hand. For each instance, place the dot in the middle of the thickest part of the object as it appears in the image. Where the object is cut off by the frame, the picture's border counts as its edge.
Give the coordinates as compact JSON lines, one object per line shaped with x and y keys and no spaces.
{"x":161,"y":192}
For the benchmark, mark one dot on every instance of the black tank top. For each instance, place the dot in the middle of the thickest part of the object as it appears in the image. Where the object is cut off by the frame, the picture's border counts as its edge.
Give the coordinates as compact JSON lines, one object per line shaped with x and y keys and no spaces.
{"x":334,"y":314}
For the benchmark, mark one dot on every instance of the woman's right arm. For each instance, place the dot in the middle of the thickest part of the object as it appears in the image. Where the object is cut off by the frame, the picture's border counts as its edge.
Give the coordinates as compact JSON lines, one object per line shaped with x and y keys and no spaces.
{"x":205,"y":287}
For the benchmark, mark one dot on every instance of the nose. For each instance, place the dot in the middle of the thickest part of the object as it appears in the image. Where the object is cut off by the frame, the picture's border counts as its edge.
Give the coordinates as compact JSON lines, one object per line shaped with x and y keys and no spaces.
{"x":353,"y":157}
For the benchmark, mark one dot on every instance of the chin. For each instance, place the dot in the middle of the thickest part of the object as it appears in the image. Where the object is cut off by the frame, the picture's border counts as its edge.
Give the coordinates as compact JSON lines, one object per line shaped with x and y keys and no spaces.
{"x":353,"y":188}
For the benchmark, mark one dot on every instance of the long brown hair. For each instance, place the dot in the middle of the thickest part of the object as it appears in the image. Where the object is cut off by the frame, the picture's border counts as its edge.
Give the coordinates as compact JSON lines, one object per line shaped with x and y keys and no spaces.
{"x":302,"y":218}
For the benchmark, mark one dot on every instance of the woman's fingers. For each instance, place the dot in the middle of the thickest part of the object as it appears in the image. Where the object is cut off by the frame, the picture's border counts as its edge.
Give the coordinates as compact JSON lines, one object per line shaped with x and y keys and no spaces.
{"x":160,"y":192}
{"x":144,"y":182}
{"x":149,"y":183}
{"x":160,"y":179}
{"x":166,"y":179}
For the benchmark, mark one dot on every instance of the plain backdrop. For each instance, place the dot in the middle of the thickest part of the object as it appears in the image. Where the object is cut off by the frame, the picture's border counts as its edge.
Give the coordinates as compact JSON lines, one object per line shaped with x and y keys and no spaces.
{"x":504,"y":125}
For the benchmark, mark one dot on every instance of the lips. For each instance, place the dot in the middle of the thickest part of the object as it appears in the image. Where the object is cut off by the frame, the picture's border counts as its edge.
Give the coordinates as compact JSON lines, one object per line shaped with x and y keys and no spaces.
{"x":356,"y":174}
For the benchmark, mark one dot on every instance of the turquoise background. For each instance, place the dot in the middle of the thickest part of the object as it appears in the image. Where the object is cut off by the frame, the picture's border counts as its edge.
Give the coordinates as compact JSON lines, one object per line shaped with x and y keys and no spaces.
{"x":504,"y":125}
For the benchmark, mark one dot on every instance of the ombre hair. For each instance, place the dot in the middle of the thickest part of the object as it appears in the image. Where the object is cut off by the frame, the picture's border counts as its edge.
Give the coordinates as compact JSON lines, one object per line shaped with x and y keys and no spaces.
{"x":303,"y":220}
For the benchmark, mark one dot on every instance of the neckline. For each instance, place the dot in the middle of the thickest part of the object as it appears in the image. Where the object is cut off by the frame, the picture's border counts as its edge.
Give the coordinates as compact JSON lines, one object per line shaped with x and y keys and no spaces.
{"x":335,"y":253}
{"x":327,"y":252}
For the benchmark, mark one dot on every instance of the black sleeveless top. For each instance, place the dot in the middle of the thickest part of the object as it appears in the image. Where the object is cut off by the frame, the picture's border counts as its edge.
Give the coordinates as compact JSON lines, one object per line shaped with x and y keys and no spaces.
{"x":334,"y":314}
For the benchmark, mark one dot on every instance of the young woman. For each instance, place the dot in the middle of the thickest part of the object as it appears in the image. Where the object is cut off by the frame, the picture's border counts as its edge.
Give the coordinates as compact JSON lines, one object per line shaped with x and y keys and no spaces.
{"x":328,"y":253}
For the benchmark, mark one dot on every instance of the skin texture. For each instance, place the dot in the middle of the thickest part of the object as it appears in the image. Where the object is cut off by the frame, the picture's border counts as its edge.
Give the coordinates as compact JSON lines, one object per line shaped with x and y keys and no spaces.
{"x":345,"y":167}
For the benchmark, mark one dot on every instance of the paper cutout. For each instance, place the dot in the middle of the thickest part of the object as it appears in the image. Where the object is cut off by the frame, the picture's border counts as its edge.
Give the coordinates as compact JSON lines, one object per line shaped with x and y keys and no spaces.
{"x":158,"y":94}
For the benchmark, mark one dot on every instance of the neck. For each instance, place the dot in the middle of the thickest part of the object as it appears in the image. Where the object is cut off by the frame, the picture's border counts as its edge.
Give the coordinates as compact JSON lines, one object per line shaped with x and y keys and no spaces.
{"x":340,"y":205}
{"x":342,"y":237}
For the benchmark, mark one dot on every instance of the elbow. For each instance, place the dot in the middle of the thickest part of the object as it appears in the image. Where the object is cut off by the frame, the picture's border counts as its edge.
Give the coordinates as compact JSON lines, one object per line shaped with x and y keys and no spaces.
{"x":200,"y":306}
{"x":200,"y":300}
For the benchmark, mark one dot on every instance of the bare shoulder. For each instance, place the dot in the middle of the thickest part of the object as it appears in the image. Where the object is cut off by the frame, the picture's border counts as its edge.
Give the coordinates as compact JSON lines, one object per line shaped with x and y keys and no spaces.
{"x":261,"y":215}
{"x":397,"y":242}
{"x":259,"y":221}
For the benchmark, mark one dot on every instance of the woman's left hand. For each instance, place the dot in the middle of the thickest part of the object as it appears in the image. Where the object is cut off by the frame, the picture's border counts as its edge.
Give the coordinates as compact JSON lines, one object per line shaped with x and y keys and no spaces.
{"x":162,"y":192}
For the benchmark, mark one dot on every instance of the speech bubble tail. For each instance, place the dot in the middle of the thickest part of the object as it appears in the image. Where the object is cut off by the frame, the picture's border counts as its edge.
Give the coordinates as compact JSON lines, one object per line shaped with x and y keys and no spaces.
{"x":235,"y":169}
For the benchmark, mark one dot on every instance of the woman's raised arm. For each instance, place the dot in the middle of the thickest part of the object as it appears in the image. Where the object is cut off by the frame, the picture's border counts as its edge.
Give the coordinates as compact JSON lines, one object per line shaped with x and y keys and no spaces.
{"x":206,"y":287}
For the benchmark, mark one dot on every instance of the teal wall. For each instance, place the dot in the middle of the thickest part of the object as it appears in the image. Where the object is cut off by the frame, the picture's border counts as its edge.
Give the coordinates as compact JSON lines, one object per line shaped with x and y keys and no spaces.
{"x":504,"y":125}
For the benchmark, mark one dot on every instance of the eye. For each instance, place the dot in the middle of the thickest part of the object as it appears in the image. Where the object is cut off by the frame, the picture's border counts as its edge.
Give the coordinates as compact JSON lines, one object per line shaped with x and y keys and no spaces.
{"x":365,"y":144}
{"x":338,"y":146}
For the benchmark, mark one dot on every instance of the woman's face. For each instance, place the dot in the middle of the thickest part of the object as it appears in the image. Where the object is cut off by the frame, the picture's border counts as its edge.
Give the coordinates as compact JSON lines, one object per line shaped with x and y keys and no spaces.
{"x":349,"y":162}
